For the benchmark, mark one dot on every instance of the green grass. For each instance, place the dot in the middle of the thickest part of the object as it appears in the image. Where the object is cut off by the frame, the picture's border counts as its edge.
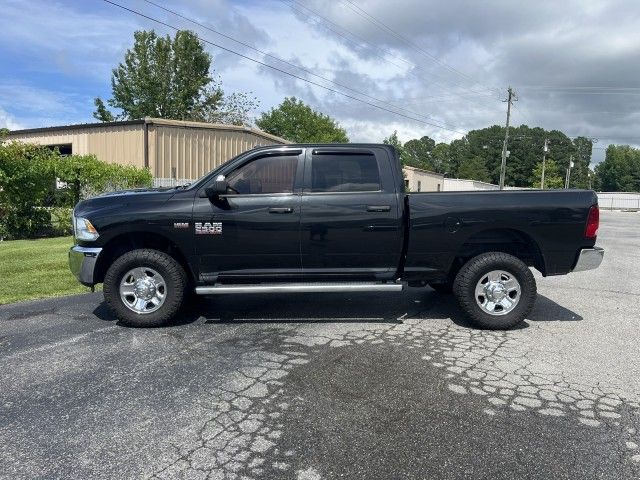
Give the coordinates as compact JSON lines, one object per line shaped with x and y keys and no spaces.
{"x":32,"y":269}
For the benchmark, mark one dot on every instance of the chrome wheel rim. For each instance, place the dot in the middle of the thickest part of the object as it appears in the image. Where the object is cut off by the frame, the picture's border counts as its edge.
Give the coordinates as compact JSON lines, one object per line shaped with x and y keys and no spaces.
{"x":498,"y":292}
{"x":143,"y":290}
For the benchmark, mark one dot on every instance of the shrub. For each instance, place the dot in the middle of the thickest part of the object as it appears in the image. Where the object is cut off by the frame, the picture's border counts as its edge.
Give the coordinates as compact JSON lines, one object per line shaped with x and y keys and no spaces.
{"x":86,"y":176}
{"x":30,"y":204}
{"x":61,"y":223}
{"x":26,"y":180}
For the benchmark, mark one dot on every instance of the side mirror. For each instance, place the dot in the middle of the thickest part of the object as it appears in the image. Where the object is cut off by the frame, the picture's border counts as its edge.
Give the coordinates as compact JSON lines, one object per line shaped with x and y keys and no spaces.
{"x":218,"y":188}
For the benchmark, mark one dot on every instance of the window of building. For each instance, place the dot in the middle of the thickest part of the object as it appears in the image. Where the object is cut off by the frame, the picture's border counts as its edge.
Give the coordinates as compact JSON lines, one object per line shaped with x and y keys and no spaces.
{"x":419,"y":185}
{"x":63,"y":148}
{"x":438,"y":187}
{"x":346,"y":172}
{"x":272,"y":174}
{"x":406,"y":183}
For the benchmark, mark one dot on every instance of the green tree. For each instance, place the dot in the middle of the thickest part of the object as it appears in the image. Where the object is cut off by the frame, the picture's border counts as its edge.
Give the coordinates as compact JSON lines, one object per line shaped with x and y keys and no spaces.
{"x":170,"y":78}
{"x":418,"y":153}
{"x":474,"y":169}
{"x":298,"y":122}
{"x":459,"y":151}
{"x":581,"y":159}
{"x":395,"y":142}
{"x":620,"y":170}
{"x":441,"y":158}
{"x":463,"y":157}
{"x":102,"y":113}
{"x":553,"y":175}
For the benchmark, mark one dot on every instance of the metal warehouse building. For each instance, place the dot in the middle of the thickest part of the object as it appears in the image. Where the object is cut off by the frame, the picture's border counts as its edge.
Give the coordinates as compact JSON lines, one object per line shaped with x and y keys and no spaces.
{"x":174,"y":151}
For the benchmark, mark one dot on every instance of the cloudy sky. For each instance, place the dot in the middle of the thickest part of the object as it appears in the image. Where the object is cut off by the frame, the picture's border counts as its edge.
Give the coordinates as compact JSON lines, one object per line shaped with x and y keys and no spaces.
{"x":435,"y":67}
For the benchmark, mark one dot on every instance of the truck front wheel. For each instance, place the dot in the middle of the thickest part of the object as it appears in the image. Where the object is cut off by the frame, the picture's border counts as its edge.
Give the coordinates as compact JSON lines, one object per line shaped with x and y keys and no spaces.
{"x":496,"y":290}
{"x":145,"y":288}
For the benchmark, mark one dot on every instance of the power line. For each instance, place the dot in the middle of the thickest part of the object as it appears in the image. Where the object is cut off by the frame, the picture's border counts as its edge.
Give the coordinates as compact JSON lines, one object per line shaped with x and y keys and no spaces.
{"x":429,"y":98}
{"x":432,"y":57}
{"x":160,"y":22}
{"x":329,"y":25}
{"x":585,"y":92}
{"x":526,"y":117}
{"x":307,"y":71}
{"x":602,"y":112}
{"x":574,"y":87}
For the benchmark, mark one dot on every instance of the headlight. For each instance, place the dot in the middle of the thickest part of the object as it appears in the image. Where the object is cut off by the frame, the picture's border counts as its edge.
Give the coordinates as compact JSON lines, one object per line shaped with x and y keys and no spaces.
{"x":84,"y":230}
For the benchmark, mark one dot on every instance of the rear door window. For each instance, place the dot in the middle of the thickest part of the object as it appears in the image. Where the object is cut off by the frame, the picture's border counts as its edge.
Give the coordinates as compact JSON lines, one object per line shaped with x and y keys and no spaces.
{"x":348,"y":172}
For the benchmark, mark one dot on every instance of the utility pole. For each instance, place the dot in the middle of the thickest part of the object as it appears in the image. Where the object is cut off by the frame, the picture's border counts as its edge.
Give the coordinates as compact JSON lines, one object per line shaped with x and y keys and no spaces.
{"x":503,"y":166}
{"x":544,"y":160}
{"x":568,"y":177}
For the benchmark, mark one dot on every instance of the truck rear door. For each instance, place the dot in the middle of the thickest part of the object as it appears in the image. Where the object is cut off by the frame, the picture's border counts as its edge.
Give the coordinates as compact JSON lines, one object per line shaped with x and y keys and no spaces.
{"x":351,"y":216}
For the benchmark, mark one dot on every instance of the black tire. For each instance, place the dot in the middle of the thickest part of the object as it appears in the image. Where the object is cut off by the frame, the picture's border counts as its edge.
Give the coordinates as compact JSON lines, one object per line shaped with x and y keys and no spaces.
{"x":171,"y":271}
{"x":444,"y":288}
{"x":464,"y":288}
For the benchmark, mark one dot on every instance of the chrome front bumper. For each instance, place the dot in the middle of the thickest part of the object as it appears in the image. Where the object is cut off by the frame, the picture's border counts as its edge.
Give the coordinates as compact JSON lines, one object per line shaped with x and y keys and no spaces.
{"x":82,"y":262}
{"x":589,"y":259}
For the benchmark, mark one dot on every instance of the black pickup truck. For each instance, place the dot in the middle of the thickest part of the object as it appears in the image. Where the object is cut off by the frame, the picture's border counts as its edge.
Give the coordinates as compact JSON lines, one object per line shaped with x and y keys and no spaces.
{"x":328,"y":218}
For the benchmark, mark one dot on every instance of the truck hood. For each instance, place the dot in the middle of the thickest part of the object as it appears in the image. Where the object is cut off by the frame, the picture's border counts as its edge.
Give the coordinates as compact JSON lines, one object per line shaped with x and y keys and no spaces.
{"x":136,"y":191}
{"x":125,"y":198}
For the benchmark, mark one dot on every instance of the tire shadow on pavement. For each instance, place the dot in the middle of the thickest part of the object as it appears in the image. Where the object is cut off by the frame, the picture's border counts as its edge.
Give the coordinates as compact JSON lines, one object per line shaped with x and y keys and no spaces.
{"x":339,"y":308}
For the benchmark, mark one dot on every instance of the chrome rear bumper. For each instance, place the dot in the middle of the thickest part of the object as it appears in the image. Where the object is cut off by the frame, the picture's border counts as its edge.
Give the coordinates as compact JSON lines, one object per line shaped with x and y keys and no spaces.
{"x":82,"y":262}
{"x":589,"y":259}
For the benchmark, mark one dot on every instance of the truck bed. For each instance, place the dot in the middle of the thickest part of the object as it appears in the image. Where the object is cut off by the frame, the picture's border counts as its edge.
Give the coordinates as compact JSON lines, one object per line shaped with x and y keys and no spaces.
{"x":443,"y":225}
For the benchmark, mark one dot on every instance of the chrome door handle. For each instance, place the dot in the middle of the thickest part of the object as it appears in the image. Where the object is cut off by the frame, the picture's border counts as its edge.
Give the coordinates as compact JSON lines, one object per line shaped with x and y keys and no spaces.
{"x":281,"y":210}
{"x":378,"y":208}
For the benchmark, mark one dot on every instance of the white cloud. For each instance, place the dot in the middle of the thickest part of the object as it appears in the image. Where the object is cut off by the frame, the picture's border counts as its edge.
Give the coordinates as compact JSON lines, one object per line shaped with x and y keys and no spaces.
{"x":7,"y":121}
{"x":485,"y":45}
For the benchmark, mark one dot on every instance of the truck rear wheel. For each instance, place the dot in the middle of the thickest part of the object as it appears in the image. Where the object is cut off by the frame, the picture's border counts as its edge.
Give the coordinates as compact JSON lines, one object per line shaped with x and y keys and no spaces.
{"x":145,"y":288}
{"x":496,"y":290}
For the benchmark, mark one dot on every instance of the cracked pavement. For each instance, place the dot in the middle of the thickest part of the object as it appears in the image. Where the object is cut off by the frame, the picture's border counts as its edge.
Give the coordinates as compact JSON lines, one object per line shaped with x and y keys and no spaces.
{"x":330,"y":386}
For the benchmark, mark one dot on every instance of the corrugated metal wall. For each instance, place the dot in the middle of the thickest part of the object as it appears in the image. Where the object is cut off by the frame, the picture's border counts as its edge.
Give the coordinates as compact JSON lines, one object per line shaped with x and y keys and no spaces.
{"x":123,"y":144}
{"x":189,"y":153}
{"x":178,"y":151}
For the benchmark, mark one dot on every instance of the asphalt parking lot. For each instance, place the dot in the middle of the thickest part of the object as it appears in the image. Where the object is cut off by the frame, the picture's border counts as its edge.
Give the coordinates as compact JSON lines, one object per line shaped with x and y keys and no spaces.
{"x":332,"y":386}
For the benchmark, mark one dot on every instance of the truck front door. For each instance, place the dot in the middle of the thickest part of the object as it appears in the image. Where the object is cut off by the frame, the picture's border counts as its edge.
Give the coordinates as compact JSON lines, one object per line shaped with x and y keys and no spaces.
{"x":253,"y":231}
{"x":351,"y":221}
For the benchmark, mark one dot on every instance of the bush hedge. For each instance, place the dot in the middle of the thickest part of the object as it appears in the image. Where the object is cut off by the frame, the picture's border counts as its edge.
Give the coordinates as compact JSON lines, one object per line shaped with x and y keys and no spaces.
{"x":32,"y":205}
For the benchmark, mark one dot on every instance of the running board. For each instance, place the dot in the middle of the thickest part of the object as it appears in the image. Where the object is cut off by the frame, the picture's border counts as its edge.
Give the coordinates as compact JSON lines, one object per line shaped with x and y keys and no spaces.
{"x":300,"y":288}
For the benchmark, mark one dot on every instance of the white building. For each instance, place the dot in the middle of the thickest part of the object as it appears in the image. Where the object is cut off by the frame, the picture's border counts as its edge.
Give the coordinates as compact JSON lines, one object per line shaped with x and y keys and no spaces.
{"x":419,"y":180}
{"x":464,"y":185}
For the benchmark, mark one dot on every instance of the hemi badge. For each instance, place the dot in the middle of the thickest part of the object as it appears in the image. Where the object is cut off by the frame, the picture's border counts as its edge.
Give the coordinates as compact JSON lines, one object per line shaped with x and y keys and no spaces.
{"x":181,"y":225}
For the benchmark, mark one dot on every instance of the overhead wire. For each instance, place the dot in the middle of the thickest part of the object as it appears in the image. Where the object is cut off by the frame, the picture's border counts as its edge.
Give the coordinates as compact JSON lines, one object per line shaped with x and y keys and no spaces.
{"x":298,"y":77}
{"x":363,"y":13}
{"x":286,"y":62}
{"x":330,"y":24}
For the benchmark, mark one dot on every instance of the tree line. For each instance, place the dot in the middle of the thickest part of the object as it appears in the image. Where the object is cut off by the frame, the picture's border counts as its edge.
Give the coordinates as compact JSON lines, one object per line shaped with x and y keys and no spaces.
{"x":478,"y":156}
{"x":172,"y":78}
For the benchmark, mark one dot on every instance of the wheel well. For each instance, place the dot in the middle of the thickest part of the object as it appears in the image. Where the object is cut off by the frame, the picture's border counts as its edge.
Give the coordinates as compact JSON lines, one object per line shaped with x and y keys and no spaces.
{"x":126,"y":242}
{"x":513,"y":242}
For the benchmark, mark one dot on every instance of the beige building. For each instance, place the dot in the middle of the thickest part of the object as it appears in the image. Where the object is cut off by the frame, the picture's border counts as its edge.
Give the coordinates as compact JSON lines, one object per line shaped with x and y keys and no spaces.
{"x":173,"y":150}
{"x":418,"y":180}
